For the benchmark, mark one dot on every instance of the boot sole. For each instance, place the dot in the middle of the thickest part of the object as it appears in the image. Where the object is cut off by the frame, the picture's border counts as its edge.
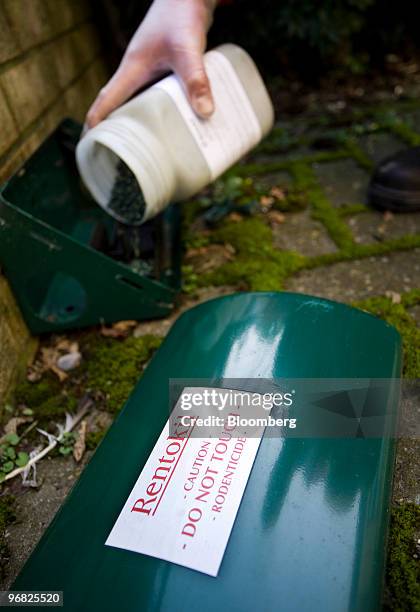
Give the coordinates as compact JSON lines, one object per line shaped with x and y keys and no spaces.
{"x":395,"y":200}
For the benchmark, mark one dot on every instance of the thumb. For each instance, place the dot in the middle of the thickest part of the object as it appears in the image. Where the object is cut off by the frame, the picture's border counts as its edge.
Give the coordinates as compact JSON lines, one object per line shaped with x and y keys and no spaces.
{"x":189,"y":66}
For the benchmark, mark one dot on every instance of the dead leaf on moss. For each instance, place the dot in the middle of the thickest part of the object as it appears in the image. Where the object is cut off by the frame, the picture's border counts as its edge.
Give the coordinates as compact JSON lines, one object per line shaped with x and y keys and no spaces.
{"x":12,"y":425}
{"x":49,"y":357}
{"x":275,"y":217}
{"x":193,"y":252}
{"x":118,"y":330}
{"x":235,"y":217}
{"x":266,"y":201}
{"x":35,"y":372}
{"x":278,"y":193}
{"x":80,"y":444}
{"x":66,"y":346}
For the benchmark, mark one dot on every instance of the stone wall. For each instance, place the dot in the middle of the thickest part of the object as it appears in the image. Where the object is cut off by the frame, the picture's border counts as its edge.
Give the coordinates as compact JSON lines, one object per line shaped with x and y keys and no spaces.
{"x":51,"y":67}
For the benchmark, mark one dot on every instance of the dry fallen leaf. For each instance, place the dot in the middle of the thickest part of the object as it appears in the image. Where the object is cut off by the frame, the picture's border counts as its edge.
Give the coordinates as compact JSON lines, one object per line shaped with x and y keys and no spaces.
{"x":118,"y":330}
{"x":278,"y":193}
{"x":12,"y":425}
{"x":275,"y":217}
{"x":49,"y":358}
{"x":80,"y":444}
{"x":66,"y":346}
{"x":34,"y":373}
{"x":235,"y":217}
{"x":194,"y":252}
{"x":266,"y":201}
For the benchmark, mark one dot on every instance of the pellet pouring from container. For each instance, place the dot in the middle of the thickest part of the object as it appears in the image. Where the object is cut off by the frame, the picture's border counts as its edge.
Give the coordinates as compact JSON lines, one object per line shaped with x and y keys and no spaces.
{"x":168,"y":142}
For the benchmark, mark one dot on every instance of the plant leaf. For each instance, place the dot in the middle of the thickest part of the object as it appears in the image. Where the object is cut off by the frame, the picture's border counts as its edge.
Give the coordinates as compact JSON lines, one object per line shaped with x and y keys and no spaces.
{"x":8,"y":466}
{"x":65,"y":450}
{"x":10,"y":452}
{"x":22,"y":459}
{"x":13,"y":439}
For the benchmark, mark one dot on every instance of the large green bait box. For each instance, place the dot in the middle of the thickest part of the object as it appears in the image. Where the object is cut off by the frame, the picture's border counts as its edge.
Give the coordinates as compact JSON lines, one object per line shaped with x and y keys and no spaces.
{"x":68,"y":262}
{"x":310,"y":533}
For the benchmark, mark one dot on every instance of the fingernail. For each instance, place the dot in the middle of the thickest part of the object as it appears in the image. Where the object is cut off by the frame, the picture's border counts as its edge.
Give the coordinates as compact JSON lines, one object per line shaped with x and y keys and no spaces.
{"x":203,"y":105}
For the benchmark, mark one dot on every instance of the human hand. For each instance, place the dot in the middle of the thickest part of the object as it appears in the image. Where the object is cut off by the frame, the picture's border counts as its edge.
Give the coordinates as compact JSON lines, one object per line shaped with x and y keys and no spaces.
{"x":172,"y":36}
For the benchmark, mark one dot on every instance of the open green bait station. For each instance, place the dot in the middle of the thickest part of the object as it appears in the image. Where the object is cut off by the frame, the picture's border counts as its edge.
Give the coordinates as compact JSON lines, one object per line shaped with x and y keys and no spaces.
{"x":69,"y":264}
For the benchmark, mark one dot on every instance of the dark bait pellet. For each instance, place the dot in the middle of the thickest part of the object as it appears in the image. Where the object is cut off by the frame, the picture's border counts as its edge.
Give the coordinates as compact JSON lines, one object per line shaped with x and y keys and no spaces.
{"x":127,"y":200}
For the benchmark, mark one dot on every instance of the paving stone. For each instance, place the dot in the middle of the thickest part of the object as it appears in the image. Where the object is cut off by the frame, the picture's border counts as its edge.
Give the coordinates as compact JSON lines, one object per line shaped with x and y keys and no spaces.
{"x":381,"y":145}
{"x":275,"y":179}
{"x":344,"y":181}
{"x":360,"y":279}
{"x":302,"y":234}
{"x":375,"y":226}
{"x":35,"y":508}
{"x":407,"y":472}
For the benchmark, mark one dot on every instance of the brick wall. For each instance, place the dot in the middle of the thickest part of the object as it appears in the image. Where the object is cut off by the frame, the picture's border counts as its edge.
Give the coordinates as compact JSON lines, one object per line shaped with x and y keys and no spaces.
{"x":50,"y":67}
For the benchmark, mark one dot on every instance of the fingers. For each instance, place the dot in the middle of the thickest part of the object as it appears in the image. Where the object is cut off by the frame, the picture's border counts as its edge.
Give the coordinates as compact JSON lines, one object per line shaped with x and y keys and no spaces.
{"x":130,"y":76}
{"x":189,"y":66}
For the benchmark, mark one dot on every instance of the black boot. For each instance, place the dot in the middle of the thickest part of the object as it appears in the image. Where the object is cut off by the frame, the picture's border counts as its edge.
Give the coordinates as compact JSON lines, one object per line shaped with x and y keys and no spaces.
{"x":395,"y":184}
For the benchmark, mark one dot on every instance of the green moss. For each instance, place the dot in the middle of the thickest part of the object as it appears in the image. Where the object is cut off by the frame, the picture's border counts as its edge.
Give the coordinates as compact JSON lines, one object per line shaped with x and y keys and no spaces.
{"x":411,"y":298}
{"x":93,"y":438}
{"x":397,"y":315}
{"x":403,"y":131}
{"x":7,"y":516}
{"x":56,"y":406}
{"x":403,"y":569}
{"x":256,"y":169}
{"x":48,"y":398}
{"x":258,"y":265}
{"x":322,"y":209}
{"x":296,"y":199}
{"x":390,"y":121}
{"x":279,"y":140}
{"x":359,"y":156}
{"x":352,"y":209}
{"x":112,"y":367}
{"x":33,"y":394}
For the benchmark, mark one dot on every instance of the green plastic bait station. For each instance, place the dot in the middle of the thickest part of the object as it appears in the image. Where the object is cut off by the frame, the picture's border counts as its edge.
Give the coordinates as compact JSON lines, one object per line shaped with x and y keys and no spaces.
{"x":67,"y":261}
{"x":310,"y":533}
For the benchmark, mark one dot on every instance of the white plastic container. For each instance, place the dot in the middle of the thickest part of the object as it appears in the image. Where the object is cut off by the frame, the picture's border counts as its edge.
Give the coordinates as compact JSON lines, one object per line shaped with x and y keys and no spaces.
{"x":172,"y":152}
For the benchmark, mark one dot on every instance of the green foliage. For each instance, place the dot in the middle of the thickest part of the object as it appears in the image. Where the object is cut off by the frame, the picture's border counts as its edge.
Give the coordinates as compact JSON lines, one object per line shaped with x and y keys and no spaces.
{"x":110,"y":368}
{"x":9,"y":457}
{"x":35,"y":394}
{"x":397,"y":315}
{"x":46,"y":399}
{"x":67,"y":443}
{"x":258,"y":265}
{"x":113,"y":367}
{"x":403,"y":569}
{"x":93,"y":438}
{"x":190,"y":280}
{"x":310,"y":37}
